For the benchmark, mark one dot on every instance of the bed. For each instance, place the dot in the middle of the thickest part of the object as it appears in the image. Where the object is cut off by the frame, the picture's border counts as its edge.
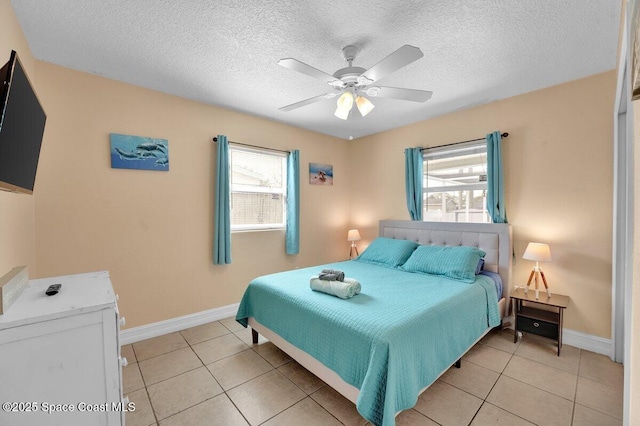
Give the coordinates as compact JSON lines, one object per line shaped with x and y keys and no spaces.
{"x":383,"y":347}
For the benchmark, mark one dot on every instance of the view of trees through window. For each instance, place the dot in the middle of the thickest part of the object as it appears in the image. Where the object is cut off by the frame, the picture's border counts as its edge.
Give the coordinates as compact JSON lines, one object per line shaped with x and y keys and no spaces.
{"x":455,"y":183}
{"x":258,"y":189}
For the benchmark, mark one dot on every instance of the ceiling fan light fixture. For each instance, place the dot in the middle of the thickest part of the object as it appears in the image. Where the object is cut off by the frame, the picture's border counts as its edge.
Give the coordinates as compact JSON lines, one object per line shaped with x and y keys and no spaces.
{"x":342,"y":113}
{"x":364,"y":105}
{"x":352,"y":83}
{"x":345,"y":103}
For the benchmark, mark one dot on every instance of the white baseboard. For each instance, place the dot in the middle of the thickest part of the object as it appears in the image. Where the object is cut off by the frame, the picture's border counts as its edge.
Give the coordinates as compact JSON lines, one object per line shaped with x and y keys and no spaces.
{"x":135,"y":334}
{"x":589,"y":342}
{"x":580,"y":340}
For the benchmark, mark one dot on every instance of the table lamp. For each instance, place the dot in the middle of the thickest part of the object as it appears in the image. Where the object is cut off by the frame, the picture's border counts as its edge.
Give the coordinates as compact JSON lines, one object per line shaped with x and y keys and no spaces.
{"x":540,"y":253}
{"x":353,"y":236}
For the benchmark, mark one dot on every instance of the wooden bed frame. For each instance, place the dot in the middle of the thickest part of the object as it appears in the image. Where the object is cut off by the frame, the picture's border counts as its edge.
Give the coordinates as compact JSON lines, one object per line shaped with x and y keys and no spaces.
{"x":494,"y":239}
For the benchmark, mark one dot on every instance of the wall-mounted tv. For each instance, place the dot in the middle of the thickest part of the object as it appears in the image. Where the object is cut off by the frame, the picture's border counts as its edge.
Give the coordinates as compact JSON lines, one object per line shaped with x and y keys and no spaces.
{"x":22,"y":122}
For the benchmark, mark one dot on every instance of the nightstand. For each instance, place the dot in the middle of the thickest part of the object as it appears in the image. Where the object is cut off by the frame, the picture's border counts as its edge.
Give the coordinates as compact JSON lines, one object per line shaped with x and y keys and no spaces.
{"x":539,"y":321}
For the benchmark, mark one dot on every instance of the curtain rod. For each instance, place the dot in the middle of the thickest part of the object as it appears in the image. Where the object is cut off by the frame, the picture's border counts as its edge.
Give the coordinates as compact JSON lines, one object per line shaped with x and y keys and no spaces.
{"x":504,"y":135}
{"x":215,"y":139}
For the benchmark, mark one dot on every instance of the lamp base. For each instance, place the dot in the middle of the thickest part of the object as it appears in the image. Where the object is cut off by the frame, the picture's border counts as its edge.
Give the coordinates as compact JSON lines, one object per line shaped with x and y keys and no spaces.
{"x":352,"y":249}
{"x":537,"y":271}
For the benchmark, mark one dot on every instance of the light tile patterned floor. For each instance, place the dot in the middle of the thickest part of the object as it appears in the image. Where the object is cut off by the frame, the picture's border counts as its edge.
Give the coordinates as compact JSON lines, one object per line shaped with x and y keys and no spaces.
{"x":213,"y":375}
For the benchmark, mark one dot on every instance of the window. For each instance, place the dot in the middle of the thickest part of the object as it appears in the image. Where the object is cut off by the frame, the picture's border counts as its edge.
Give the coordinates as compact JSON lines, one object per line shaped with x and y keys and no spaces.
{"x":455,"y":183}
{"x":258,"y":188}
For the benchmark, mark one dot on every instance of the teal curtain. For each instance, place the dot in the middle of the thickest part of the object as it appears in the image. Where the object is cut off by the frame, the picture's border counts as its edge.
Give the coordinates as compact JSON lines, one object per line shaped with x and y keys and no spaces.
{"x":495,"y":179}
{"x":293,"y":203}
{"x":222,"y":213}
{"x":413,"y":181}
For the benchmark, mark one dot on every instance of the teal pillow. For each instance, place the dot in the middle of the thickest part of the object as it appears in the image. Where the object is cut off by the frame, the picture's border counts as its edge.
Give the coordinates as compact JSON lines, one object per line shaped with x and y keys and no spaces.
{"x":388,"y":252}
{"x":457,"y":262}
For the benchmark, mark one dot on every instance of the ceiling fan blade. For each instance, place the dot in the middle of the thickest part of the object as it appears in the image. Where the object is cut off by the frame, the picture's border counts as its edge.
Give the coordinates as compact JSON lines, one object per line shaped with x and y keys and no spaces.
{"x":398,"y":59}
{"x":413,"y":95}
{"x":307,"y":102}
{"x":296,"y":65}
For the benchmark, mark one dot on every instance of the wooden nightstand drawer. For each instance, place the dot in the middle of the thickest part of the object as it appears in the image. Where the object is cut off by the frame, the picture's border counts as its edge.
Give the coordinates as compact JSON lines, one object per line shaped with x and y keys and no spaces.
{"x":539,"y":327}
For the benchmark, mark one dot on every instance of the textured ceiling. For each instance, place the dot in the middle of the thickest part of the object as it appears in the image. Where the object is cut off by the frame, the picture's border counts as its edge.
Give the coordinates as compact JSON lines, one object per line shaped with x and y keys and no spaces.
{"x":226,"y":52}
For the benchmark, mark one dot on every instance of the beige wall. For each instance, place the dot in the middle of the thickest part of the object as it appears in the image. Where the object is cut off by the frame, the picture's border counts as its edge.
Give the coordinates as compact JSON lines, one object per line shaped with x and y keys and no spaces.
{"x":559,"y":177}
{"x":17,"y":217}
{"x":153,"y":230}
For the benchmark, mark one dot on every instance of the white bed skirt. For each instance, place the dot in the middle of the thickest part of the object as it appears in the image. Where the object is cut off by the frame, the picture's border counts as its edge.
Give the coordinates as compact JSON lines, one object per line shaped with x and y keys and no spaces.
{"x":324,"y":373}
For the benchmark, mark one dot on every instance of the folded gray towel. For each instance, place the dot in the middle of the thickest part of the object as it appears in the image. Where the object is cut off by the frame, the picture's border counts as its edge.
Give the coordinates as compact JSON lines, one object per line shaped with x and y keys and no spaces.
{"x":328,"y":277}
{"x":331,"y":275}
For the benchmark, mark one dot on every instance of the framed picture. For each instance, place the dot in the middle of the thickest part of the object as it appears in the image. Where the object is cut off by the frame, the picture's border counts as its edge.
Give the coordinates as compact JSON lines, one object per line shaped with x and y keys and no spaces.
{"x":136,"y":152}
{"x":635,"y":51}
{"x":320,"y":174}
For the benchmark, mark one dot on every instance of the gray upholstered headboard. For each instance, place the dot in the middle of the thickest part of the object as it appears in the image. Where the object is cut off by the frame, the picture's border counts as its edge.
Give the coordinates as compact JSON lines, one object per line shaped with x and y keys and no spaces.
{"x":493,"y":238}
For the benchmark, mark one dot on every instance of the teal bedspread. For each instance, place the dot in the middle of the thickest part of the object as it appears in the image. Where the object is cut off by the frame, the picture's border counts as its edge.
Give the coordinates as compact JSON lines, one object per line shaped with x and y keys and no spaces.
{"x":390,"y":341}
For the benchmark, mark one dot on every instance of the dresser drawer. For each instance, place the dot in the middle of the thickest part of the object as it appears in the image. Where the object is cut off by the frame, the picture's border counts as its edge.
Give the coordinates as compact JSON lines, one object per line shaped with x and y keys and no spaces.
{"x":539,"y":327}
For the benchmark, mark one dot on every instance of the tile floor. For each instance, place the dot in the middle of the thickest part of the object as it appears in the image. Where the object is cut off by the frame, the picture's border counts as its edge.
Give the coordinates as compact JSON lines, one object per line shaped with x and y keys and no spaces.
{"x":213,"y":375}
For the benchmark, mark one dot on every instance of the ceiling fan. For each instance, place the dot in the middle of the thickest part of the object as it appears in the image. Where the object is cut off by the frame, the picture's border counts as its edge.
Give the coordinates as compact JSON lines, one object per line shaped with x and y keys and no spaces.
{"x":351,"y":84}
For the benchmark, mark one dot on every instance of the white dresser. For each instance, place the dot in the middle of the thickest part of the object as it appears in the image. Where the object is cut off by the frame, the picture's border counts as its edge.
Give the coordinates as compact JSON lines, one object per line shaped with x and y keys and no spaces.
{"x":61,"y":354}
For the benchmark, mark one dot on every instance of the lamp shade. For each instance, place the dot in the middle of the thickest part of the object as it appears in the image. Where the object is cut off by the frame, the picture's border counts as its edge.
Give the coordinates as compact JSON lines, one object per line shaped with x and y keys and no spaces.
{"x":364,"y":105}
{"x":353,"y":235}
{"x":345,"y":103}
{"x":538,"y":252}
{"x":341,"y":113}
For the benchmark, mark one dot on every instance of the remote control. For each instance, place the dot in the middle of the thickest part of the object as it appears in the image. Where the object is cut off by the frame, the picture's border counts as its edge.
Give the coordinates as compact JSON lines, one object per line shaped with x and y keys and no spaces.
{"x":53,"y":289}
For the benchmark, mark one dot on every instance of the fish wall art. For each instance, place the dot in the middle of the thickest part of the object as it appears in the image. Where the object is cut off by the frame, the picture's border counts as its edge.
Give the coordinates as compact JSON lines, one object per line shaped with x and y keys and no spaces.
{"x":137,"y":152}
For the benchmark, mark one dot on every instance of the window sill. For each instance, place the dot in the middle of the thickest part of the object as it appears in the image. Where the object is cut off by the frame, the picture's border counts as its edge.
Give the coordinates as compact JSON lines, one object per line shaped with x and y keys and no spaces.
{"x":282,"y":228}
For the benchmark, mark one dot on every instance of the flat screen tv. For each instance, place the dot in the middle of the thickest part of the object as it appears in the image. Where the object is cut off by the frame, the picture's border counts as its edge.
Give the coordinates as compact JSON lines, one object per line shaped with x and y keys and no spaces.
{"x":22,"y":122}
